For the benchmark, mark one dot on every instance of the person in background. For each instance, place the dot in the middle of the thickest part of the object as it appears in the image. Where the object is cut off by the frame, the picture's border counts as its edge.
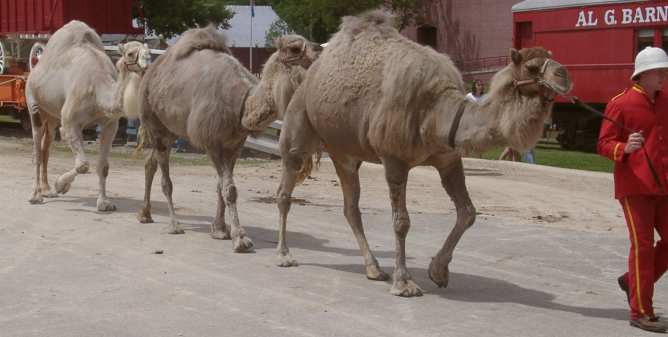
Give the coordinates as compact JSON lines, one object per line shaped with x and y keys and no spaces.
{"x":477,"y":91}
{"x":638,"y":144}
{"x":475,"y":96}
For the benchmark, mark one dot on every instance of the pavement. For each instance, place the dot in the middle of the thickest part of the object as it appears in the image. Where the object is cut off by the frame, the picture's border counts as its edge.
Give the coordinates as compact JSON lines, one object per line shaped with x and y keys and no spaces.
{"x":69,"y":270}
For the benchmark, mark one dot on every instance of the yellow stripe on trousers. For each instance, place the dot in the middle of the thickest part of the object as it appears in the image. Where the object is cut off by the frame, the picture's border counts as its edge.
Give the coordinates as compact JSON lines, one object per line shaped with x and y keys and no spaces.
{"x":635,"y":253}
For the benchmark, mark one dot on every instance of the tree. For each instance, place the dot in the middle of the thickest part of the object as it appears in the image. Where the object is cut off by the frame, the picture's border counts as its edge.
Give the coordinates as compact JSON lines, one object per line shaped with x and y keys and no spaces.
{"x":319,"y":19}
{"x":170,"y":17}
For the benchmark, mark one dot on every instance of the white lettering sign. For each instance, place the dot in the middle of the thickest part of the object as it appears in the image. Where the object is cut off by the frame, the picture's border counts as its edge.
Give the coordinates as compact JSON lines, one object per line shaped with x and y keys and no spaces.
{"x":635,"y":15}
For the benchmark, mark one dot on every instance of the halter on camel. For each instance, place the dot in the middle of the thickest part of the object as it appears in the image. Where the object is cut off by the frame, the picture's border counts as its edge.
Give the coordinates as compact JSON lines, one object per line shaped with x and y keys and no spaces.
{"x":539,"y":80}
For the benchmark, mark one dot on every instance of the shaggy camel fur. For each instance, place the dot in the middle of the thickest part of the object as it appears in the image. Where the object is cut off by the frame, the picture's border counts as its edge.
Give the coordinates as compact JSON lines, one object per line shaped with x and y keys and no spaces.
{"x":199,"y":92}
{"x":75,"y":84}
{"x":376,"y":96}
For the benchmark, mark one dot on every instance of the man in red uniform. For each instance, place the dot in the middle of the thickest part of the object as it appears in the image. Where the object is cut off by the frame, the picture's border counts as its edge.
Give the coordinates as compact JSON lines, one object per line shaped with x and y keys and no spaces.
{"x":641,"y":188}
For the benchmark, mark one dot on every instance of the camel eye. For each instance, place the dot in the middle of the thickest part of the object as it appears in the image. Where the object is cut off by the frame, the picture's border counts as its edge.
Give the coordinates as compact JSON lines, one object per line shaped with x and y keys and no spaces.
{"x":295,"y":50}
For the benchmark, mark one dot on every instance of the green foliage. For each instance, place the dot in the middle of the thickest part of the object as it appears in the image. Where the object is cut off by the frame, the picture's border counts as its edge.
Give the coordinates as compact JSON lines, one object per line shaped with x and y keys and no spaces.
{"x":170,"y":17}
{"x":319,"y":19}
{"x":277,"y":28}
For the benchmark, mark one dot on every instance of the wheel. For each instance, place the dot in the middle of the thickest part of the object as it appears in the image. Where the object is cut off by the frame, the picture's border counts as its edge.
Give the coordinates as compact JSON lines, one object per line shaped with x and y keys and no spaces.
{"x":35,"y":54}
{"x":3,"y":58}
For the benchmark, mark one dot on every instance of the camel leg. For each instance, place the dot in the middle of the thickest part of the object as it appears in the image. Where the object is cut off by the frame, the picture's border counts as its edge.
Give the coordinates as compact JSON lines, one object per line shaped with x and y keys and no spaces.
{"x":38,"y":131}
{"x":47,"y":139}
{"x":107,"y":135}
{"x":396,"y":174}
{"x":162,"y":154}
{"x":298,"y":142}
{"x":219,"y":230}
{"x":150,"y":167}
{"x":224,"y":162}
{"x":74,"y":135}
{"x":452,"y":179}
{"x":348,"y":172}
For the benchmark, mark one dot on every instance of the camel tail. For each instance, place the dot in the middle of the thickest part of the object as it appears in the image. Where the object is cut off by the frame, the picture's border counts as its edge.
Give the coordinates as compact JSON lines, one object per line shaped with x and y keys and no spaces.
{"x":309,"y":163}
{"x":141,"y":138}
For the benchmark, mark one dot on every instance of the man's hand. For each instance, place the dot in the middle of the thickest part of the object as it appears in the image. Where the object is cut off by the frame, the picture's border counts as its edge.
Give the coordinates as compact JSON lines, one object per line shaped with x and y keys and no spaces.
{"x":634,"y":143}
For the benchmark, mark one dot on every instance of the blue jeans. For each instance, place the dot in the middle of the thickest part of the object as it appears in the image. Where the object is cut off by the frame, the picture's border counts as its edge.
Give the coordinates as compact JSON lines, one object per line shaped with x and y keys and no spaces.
{"x":528,"y":157}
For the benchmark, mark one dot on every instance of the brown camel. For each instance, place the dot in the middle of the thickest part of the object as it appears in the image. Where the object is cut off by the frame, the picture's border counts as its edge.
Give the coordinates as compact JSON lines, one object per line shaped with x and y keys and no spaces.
{"x":76,"y":84}
{"x":199,"y":92}
{"x":376,"y":96}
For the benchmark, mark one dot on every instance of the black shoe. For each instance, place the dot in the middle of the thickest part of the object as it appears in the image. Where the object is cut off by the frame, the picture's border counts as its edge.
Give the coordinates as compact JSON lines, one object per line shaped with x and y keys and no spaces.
{"x":625,"y":287}
{"x":648,"y":324}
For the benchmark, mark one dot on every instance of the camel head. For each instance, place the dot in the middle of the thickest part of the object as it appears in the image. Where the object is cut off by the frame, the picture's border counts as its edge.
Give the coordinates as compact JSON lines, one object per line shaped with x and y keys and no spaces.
{"x":525,"y":90}
{"x":536,"y":73}
{"x":135,"y":56}
{"x":296,"y":50}
{"x":281,"y":76}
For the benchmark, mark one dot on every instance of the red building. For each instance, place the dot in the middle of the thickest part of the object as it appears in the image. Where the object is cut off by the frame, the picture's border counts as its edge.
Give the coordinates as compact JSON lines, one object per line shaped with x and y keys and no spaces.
{"x":477,"y":34}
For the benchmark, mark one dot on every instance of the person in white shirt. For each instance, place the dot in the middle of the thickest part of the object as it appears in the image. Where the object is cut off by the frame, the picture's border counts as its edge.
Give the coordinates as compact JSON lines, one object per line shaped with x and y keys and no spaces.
{"x":477,"y":90}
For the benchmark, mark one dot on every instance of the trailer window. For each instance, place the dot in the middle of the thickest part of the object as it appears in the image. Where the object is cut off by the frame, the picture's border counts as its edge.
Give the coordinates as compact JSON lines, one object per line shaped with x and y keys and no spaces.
{"x":664,"y":39}
{"x":427,"y":35}
{"x":644,"y":38}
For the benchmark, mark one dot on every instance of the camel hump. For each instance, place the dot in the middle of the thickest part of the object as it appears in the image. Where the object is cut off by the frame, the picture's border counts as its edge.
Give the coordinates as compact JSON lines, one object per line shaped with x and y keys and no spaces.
{"x":200,"y":39}
{"x":378,"y":19}
{"x":74,"y":33}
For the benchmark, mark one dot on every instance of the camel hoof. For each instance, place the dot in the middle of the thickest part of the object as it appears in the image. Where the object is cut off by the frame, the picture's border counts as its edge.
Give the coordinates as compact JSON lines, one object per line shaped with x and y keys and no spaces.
{"x":405,"y":288}
{"x":286,"y":260}
{"x":104,"y":205}
{"x":243,"y":245}
{"x":221,"y":235}
{"x":37,"y":200}
{"x":144,"y":216}
{"x":62,"y":187}
{"x":374,"y":273}
{"x":50,"y":194}
{"x":175,"y":228}
{"x":83,"y":168}
{"x":440,"y":276}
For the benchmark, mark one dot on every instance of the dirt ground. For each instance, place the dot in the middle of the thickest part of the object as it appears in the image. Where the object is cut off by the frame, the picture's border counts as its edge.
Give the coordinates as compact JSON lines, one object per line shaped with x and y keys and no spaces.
{"x":545,"y":251}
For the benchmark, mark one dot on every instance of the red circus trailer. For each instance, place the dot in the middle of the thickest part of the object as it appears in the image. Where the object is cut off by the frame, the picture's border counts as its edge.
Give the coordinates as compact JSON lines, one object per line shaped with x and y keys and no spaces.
{"x":597,"y":41}
{"x":23,"y":23}
{"x":26,"y":25}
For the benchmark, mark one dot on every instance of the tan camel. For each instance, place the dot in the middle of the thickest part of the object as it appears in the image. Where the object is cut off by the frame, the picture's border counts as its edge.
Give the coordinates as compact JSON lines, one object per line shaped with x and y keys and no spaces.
{"x":199,"y":92}
{"x":376,"y":96}
{"x":75,"y":84}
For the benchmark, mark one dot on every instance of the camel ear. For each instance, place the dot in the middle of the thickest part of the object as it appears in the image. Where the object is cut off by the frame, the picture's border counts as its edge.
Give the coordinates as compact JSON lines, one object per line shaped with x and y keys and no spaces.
{"x":121,"y":48}
{"x":515,"y":56}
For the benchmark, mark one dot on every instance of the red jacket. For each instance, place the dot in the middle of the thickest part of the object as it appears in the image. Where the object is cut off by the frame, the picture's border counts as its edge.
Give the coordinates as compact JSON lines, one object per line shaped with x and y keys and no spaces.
{"x":635,"y":110}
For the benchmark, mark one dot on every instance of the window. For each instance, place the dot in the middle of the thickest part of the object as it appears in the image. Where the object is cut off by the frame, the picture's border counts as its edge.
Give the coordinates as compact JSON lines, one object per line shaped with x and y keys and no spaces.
{"x":644,"y":38}
{"x":428,"y":36}
{"x":524,"y":31}
{"x":664,"y":40}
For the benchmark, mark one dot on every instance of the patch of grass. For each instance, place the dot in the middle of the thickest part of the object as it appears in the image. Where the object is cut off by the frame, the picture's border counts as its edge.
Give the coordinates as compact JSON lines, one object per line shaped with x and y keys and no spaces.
{"x":565,"y":159}
{"x":7,"y":119}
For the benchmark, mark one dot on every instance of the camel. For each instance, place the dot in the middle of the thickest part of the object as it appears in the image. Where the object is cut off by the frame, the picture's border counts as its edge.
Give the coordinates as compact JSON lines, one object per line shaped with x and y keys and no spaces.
{"x":75,"y":84}
{"x":375,"y":96}
{"x":199,"y":92}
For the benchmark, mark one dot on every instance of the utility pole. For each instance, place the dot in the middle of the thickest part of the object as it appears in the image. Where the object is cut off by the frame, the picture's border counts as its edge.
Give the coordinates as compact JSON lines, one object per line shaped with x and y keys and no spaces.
{"x":252,"y":10}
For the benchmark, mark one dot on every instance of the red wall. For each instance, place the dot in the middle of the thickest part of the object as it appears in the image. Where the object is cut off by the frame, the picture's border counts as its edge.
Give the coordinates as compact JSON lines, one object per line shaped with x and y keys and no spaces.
{"x":46,"y":16}
{"x":470,"y":29}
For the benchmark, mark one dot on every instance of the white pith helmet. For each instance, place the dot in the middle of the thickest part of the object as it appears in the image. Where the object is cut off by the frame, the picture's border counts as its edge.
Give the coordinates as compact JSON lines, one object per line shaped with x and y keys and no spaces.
{"x":648,"y":59}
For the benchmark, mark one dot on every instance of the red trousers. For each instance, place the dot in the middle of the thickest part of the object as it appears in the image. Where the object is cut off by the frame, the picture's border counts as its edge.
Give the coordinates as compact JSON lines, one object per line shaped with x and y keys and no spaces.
{"x":647,"y":262}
